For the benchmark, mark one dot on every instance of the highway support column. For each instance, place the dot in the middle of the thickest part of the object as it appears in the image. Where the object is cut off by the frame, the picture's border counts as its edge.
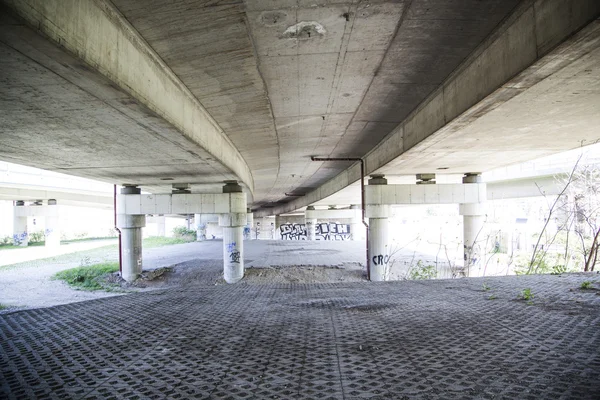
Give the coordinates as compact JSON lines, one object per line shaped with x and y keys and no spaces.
{"x":20,"y":236}
{"x":379,"y":248}
{"x":473,"y":232}
{"x":131,"y":240}
{"x":311,"y":225}
{"x":233,"y":234}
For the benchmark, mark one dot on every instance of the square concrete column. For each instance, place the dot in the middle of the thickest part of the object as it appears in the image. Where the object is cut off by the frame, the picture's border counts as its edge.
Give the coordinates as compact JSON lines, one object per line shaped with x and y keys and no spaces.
{"x":52,"y":222}
{"x":20,"y":236}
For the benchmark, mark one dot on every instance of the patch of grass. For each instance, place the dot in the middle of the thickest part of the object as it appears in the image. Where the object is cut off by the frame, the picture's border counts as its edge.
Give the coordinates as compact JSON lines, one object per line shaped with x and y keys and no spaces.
{"x":526,"y":294}
{"x":159,"y":241}
{"x":11,"y":247}
{"x":492,"y":297}
{"x":4,"y":307}
{"x":486,"y":287}
{"x":585,"y":285}
{"x":87,"y":277}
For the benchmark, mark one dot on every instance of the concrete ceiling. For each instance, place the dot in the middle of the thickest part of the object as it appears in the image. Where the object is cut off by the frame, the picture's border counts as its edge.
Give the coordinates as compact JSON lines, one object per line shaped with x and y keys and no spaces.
{"x":282,"y":80}
{"x":287,"y":80}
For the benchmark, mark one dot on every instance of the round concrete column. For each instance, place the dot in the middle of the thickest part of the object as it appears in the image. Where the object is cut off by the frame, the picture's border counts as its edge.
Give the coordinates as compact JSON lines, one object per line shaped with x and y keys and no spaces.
{"x":20,"y":236}
{"x":131,"y":240}
{"x":311,"y":225}
{"x":379,"y":251}
{"x":51,"y":221}
{"x":233,"y":233}
{"x":473,"y":235}
{"x":131,"y":245}
{"x":379,"y":254}
{"x":249,"y":223}
{"x":277,"y":233}
{"x":200,"y":228}
{"x":233,"y":253}
{"x":357,"y":229}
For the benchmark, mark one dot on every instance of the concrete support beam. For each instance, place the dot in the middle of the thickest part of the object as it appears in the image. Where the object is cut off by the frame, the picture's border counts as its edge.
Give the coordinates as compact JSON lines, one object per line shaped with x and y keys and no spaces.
{"x":448,"y":193}
{"x":182,"y":203}
{"x":329,"y":214}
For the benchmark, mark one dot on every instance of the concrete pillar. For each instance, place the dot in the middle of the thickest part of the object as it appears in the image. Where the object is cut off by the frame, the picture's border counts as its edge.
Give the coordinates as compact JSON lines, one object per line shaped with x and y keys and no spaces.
{"x":357,"y":229}
{"x":200,"y":227}
{"x":52,"y":222}
{"x":131,"y":240}
{"x":233,"y":239}
{"x":20,"y":237}
{"x":161,"y":226}
{"x":311,"y":225}
{"x":277,"y":231}
{"x":473,"y":235}
{"x":249,"y":224}
{"x":379,"y":248}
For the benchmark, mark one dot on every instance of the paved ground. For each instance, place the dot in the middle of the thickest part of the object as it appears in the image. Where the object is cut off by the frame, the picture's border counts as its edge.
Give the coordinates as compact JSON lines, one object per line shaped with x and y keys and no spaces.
{"x":29,"y":285}
{"x":440,"y":339}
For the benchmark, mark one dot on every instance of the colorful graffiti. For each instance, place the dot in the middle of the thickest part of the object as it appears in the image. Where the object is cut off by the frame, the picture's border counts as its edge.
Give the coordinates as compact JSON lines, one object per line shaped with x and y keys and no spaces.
{"x":324,"y":231}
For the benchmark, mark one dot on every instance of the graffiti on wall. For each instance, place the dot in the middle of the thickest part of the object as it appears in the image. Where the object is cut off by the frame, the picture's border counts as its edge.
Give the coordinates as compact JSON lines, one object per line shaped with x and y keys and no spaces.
{"x":293,"y":231}
{"x":332,"y":231}
{"x":324,"y":231}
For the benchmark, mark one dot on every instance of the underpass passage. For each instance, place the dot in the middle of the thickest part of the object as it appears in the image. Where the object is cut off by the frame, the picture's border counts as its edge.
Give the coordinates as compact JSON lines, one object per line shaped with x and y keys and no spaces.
{"x":401,"y":340}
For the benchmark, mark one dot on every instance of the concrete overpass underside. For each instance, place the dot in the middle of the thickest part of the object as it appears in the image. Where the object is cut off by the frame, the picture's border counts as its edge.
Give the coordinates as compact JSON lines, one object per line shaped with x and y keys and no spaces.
{"x":154,"y":93}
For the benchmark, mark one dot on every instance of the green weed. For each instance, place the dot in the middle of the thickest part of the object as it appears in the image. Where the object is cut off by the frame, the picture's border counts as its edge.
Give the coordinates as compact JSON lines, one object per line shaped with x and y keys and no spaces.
{"x":87,"y":277}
